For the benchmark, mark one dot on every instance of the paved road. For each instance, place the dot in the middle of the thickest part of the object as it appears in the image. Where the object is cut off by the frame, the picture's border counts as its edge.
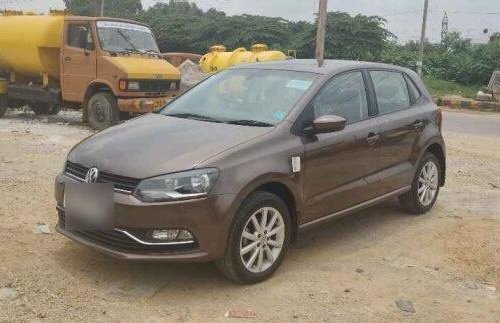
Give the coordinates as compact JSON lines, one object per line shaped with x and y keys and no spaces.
{"x":484,"y":124}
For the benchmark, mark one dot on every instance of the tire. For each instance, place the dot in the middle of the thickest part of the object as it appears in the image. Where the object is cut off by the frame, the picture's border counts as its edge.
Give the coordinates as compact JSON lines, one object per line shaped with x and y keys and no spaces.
{"x":102,"y":111}
{"x":3,"y":105}
{"x":44,"y":108}
{"x":232,"y":263}
{"x":411,"y":201}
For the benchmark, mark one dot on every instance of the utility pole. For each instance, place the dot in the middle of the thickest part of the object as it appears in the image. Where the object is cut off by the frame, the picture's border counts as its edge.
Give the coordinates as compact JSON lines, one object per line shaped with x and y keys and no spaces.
{"x":444,"y":27}
{"x":321,"y":32}
{"x":102,"y":8}
{"x":420,"y":62}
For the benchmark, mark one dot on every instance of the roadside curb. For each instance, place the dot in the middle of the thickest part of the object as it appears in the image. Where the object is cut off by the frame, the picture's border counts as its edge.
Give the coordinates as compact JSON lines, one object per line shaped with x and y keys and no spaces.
{"x":469,"y":104}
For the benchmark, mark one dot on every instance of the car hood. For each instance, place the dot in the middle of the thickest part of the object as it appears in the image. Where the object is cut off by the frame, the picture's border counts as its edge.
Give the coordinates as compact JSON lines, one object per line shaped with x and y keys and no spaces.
{"x":155,"y":144}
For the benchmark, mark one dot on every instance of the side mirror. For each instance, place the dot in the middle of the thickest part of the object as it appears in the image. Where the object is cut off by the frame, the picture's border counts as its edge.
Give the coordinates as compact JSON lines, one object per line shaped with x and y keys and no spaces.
{"x":327,"y":124}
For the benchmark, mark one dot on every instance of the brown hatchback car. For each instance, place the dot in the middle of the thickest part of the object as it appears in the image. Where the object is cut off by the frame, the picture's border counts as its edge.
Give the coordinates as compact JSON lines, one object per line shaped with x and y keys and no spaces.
{"x":233,"y":169}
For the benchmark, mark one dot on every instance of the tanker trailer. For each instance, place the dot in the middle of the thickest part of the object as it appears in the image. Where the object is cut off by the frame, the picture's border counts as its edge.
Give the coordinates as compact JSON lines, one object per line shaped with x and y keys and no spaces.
{"x":111,"y":68}
{"x":219,"y":59}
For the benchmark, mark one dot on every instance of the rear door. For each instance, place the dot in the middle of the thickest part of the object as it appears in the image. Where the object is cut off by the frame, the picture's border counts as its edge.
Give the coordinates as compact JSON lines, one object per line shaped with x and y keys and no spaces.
{"x":337,"y":163}
{"x":401,"y":123}
{"x":78,"y":63}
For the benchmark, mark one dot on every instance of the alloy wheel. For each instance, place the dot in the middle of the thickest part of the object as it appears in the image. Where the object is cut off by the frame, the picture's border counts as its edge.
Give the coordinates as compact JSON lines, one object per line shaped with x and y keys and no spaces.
{"x":262,"y":239}
{"x":428,"y":182}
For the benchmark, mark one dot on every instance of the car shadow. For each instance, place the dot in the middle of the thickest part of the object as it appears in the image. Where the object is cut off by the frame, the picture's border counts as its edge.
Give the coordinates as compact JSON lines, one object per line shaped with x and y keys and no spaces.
{"x":117,"y":277}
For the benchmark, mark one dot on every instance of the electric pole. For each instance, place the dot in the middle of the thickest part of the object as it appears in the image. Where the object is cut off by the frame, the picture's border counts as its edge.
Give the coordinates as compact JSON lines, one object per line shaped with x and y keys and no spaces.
{"x":422,"y":39}
{"x":444,"y":27}
{"x":321,"y":32}
{"x":102,"y":8}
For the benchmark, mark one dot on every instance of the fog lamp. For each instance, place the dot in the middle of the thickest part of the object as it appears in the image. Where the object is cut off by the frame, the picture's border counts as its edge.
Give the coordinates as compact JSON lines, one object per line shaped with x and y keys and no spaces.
{"x":171,"y":235}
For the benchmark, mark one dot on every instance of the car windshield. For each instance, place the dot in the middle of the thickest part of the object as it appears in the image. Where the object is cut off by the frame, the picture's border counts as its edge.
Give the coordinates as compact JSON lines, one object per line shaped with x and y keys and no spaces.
{"x":253,"y":97}
{"x":115,"y":36}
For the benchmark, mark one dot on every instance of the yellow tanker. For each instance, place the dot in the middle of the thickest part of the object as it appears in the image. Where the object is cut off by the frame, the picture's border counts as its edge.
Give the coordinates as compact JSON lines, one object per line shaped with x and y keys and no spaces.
{"x":30,"y":45}
{"x":219,"y":59}
{"x":110,"y":67}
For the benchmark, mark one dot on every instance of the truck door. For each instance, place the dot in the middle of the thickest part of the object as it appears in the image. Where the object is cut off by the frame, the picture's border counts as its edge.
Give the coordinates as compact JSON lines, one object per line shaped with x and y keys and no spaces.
{"x":78,"y":60}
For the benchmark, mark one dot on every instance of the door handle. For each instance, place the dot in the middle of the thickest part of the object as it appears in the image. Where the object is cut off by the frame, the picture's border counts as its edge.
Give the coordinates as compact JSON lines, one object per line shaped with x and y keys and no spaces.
{"x":418,"y":124}
{"x":372,"y":138}
{"x":67,"y":58}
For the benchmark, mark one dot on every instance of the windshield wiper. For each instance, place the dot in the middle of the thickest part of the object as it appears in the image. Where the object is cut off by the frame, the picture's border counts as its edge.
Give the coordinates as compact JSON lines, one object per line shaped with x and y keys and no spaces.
{"x":253,"y":123}
{"x":193,"y":116}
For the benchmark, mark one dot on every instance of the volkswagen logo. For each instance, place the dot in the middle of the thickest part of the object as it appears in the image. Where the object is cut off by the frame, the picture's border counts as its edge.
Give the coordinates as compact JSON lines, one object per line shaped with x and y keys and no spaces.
{"x":91,"y":176}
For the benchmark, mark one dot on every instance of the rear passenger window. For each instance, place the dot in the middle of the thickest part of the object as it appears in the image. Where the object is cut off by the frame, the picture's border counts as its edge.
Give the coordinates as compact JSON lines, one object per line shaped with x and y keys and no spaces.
{"x":344,"y":96}
{"x":391,"y":90}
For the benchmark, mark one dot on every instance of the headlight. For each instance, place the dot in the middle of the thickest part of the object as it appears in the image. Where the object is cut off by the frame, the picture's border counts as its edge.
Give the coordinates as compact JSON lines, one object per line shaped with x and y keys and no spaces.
{"x":177,"y":186}
{"x":133,"y":85}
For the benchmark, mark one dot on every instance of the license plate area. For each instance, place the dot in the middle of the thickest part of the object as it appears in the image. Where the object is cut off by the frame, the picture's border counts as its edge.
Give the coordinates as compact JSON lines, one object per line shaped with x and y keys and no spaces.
{"x":89,"y":206}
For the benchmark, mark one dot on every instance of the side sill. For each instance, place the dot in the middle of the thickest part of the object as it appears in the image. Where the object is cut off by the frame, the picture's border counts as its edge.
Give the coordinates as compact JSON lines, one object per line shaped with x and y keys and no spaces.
{"x":353,"y":209}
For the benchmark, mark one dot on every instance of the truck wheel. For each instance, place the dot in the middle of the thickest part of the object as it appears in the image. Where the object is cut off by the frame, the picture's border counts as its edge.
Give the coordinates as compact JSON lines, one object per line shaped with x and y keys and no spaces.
{"x":102,"y":111}
{"x":44,"y":108}
{"x":258,"y":239}
{"x":3,"y":105}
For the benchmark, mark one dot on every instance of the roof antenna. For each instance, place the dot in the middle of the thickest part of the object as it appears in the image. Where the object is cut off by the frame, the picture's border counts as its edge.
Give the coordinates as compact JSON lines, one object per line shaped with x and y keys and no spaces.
{"x":321,"y":32}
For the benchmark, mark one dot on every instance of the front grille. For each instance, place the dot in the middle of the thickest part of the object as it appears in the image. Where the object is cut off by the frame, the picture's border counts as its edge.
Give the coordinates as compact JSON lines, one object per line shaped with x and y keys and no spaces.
{"x":157,"y":85}
{"x":121,"y":183}
{"x":119,"y":241}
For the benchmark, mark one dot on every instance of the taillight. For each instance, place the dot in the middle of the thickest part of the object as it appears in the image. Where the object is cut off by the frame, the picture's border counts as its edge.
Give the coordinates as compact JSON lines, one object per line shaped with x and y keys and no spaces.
{"x":439,"y":117}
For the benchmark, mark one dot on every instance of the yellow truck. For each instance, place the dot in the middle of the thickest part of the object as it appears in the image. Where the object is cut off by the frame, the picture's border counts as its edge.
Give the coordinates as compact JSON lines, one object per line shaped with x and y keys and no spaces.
{"x":110,"y":67}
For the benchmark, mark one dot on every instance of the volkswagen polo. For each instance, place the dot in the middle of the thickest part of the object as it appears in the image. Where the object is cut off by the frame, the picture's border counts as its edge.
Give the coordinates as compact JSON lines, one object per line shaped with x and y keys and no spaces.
{"x":232,"y":170}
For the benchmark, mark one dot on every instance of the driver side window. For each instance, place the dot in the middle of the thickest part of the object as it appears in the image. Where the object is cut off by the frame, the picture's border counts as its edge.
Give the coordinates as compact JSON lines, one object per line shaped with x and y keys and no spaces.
{"x":76,"y":32}
{"x":344,"y":96}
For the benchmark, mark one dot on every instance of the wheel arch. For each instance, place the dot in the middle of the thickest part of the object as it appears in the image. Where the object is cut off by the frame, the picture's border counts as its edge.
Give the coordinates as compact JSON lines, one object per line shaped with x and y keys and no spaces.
{"x":96,"y":87}
{"x":284,"y":192}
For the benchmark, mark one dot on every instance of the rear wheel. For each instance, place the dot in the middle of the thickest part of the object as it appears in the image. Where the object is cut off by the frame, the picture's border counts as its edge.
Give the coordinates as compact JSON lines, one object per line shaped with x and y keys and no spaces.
{"x":3,"y":105}
{"x":258,"y":240}
{"x":102,"y":111}
{"x":42,"y":108}
{"x":425,"y":186}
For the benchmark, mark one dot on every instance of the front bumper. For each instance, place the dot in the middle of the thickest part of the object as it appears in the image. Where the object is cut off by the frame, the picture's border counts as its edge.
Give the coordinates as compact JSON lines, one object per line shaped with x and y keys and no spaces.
{"x":207,"y":219}
{"x":143,"y":105}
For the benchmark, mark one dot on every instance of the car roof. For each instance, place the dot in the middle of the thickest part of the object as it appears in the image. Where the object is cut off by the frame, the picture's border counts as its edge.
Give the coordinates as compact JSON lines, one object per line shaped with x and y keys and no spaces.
{"x":330,"y":66}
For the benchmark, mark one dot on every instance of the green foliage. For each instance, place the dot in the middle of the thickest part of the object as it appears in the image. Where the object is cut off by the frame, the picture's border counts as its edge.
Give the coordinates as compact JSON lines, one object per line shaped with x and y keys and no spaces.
{"x":183,"y":27}
{"x":440,"y":88}
{"x":112,"y":8}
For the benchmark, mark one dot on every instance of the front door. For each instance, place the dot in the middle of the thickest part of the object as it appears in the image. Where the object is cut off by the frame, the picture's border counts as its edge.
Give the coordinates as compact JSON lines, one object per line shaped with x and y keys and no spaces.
{"x":336,"y":164}
{"x":78,"y":61}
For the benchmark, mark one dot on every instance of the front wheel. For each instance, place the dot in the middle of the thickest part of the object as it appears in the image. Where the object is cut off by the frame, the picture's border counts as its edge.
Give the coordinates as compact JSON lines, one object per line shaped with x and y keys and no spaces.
{"x":425,"y":186}
{"x":102,"y":111}
{"x":258,"y":240}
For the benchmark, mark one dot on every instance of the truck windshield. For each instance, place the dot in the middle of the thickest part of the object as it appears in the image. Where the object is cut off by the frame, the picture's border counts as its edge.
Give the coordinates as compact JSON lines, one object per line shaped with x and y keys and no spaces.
{"x":251,"y":97}
{"x":115,"y":36}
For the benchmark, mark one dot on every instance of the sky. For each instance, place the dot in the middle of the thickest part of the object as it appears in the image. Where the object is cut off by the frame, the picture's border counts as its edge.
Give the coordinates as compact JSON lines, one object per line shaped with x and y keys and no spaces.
{"x":404,"y":17}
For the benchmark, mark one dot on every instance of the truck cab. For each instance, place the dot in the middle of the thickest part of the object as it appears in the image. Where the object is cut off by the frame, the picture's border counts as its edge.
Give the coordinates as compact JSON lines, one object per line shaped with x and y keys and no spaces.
{"x":113,"y":68}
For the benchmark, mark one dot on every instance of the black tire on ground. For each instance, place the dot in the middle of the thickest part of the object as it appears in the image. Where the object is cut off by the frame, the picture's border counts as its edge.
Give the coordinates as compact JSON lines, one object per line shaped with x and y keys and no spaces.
{"x":102,"y":111}
{"x":231,"y":264}
{"x":41,"y":108}
{"x":4,"y":105}
{"x":410,"y":200}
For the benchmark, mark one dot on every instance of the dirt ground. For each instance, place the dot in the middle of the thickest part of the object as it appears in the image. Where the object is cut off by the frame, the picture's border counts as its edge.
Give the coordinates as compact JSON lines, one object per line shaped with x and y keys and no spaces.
{"x":446,"y":263}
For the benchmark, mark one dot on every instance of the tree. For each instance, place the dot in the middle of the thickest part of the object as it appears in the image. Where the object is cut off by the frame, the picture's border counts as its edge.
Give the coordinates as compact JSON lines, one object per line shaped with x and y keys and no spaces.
{"x":112,"y":8}
{"x":495,"y":37}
